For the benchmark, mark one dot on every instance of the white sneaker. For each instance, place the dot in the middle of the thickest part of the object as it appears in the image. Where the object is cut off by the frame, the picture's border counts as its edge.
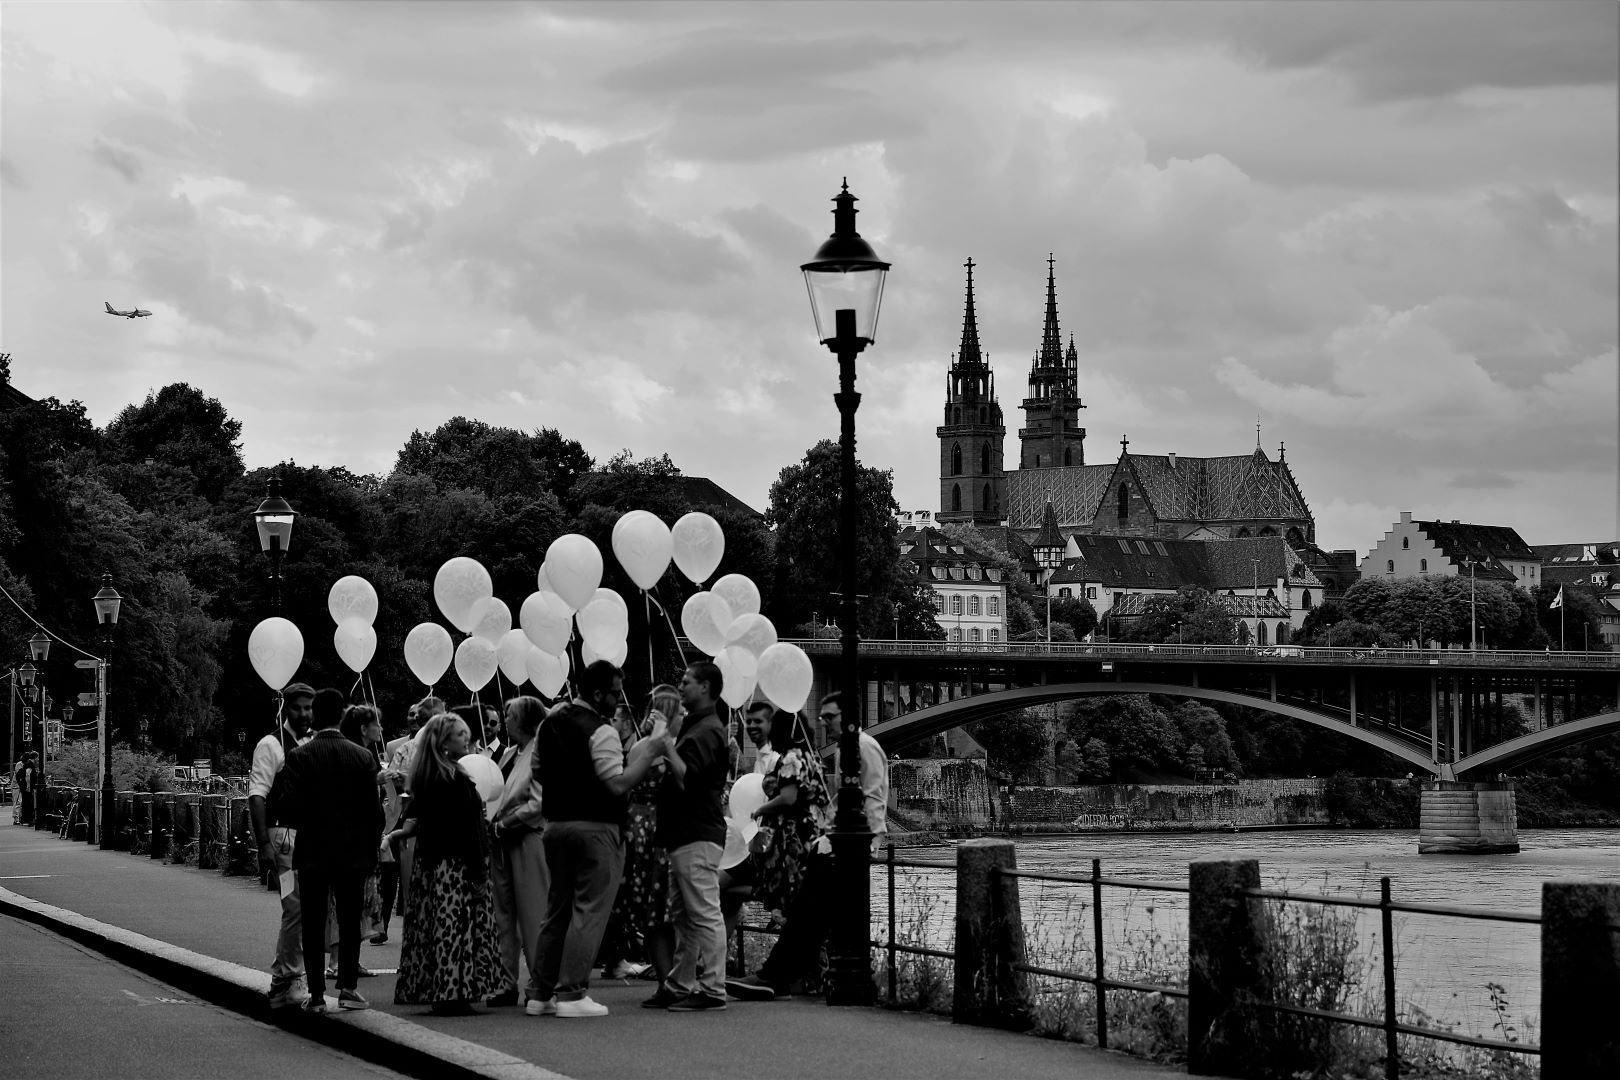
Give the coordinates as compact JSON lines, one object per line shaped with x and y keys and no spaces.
{"x":583,"y":1007}
{"x":537,"y":1007}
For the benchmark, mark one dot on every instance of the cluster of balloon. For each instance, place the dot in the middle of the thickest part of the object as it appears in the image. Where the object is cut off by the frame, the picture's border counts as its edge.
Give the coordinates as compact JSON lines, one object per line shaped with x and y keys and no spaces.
{"x":276,"y":648}
{"x":353,"y":605}
{"x":486,"y":776}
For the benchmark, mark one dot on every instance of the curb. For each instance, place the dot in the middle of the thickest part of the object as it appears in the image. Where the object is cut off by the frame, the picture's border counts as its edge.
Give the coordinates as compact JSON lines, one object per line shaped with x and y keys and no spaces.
{"x":380,"y":1038}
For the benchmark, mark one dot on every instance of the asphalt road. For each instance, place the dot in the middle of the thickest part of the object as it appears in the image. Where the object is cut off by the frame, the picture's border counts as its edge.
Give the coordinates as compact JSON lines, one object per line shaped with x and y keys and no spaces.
{"x":72,"y":1013}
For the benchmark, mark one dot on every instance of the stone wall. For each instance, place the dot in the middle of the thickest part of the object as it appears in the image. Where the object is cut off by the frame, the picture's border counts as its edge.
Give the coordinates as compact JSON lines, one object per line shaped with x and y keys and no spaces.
{"x":955,"y":795}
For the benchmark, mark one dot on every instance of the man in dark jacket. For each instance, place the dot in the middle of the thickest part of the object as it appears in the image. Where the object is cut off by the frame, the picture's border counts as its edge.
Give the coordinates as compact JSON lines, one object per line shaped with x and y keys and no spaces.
{"x":331,"y":799}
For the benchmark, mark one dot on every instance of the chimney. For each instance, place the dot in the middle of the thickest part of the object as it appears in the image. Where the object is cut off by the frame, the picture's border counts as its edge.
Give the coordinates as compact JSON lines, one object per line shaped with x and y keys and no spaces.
{"x":1172,"y":461}
{"x":1406,"y":517}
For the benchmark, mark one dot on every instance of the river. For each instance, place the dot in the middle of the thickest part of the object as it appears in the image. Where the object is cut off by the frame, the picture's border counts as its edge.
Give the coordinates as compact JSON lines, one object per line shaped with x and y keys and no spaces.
{"x":1443,"y":965}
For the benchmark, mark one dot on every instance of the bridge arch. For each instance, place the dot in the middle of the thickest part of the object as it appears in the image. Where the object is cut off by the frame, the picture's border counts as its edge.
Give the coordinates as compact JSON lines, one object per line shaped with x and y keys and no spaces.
{"x":950,"y":714}
{"x":1507,"y":756}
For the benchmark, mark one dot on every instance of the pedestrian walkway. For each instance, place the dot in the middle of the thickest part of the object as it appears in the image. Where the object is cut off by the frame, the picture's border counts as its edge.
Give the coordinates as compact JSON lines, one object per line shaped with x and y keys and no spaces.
{"x":224,"y":929}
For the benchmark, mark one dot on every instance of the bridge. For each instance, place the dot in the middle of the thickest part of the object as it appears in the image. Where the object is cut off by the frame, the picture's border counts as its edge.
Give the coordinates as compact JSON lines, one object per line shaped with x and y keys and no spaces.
{"x":1463,"y":717}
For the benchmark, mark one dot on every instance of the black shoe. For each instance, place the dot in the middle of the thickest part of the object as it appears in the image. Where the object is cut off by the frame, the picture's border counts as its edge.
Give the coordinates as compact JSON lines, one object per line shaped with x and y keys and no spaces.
{"x":452,"y":1008}
{"x":663,"y":999}
{"x":698,"y":1003}
{"x":753,"y":988}
{"x":505,"y":999}
{"x":379,"y":938}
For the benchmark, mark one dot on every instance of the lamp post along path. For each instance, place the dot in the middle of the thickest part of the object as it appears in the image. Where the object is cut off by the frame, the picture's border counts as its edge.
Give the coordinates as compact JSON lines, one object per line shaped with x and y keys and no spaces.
{"x":845,"y":281}
{"x":107,"y":603}
{"x":274,"y":520}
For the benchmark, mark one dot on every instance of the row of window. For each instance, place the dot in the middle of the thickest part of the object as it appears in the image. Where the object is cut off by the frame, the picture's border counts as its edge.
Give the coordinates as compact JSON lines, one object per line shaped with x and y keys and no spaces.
{"x":987,"y":501}
{"x":956,"y":459}
{"x":957,"y":573}
{"x":973,"y":634}
{"x":991,"y":606}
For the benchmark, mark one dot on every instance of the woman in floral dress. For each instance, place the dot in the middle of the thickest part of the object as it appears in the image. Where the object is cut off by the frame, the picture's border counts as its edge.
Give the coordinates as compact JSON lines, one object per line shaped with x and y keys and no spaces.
{"x":797,"y":810}
{"x":450,"y":955}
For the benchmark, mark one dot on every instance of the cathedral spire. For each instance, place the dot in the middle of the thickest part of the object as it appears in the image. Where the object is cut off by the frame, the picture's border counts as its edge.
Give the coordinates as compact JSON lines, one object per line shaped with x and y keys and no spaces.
{"x":969,"y":354}
{"x":1051,"y":339}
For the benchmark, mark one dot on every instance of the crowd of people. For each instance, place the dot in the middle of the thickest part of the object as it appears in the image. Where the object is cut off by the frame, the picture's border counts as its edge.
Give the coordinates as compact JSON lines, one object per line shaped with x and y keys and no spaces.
{"x":600,"y":850}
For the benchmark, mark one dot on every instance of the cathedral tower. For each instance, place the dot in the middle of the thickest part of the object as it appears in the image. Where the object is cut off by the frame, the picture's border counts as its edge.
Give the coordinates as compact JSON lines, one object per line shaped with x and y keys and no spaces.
{"x":971,"y":480}
{"x":1052,"y":436}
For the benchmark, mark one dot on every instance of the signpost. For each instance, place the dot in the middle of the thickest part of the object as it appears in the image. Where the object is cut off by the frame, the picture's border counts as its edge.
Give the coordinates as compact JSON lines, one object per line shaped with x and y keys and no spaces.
{"x":87,"y":665}
{"x":90,"y":700}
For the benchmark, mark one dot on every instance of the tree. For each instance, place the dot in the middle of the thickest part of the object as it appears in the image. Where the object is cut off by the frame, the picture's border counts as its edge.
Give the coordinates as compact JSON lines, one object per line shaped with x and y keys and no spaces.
{"x":1580,"y":620}
{"x":1190,"y":615}
{"x":184,"y":429}
{"x":1013,"y":741}
{"x":804,"y":508}
{"x":1074,"y":613}
{"x":495,"y":461}
{"x":1137,"y":733}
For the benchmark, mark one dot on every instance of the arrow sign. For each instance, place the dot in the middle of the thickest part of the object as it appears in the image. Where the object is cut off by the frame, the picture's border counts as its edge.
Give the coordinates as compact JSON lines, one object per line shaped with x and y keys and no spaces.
{"x":89,"y":699}
{"x":85,"y":663}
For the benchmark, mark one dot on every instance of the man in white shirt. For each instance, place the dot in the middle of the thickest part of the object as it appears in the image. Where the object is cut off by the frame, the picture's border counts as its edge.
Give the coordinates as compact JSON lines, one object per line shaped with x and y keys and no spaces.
{"x":275,"y":839}
{"x":758,"y":723}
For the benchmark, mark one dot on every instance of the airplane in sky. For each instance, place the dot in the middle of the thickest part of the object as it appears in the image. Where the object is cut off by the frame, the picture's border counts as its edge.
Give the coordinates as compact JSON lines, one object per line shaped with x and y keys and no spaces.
{"x":135,"y":314}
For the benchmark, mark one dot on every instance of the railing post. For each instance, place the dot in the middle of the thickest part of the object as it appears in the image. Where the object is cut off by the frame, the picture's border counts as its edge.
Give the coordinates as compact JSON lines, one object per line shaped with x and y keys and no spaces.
{"x":1392,"y":1058}
{"x":989,"y":938}
{"x":1580,"y":980}
{"x":1097,"y":949}
{"x":1228,"y":939}
{"x":894,"y":975}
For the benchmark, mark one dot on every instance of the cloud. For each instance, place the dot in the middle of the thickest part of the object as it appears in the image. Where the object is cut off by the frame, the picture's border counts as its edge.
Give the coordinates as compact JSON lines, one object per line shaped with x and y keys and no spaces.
{"x":120,"y":161}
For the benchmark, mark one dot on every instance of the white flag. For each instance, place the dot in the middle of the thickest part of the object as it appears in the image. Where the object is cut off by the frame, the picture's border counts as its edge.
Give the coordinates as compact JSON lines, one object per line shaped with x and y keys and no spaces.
{"x":1558,"y":601}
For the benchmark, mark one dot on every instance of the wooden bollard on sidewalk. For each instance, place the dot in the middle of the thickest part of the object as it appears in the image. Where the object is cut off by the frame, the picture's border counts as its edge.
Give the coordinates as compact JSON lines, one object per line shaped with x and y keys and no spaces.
{"x":1580,"y":980}
{"x":1228,"y":939}
{"x":989,"y":938}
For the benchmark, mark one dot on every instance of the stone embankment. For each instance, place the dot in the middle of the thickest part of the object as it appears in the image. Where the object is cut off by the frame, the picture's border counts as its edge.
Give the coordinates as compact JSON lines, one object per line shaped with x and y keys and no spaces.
{"x":957,"y":796}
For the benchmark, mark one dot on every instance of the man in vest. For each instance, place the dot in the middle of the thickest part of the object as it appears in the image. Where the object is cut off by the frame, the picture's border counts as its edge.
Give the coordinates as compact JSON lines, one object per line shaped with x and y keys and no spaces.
{"x":584,"y":779}
{"x":275,"y":837}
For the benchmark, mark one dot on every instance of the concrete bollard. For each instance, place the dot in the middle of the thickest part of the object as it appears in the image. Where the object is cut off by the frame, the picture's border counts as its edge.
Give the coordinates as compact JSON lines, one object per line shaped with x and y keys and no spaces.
{"x":1228,"y":939}
{"x":162,"y":824}
{"x":1580,"y":980}
{"x":989,"y":939}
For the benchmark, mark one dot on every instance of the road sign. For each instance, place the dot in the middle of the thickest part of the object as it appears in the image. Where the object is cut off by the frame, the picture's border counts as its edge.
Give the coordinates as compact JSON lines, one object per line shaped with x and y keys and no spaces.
{"x":88,"y":699}
{"x":85,"y":663}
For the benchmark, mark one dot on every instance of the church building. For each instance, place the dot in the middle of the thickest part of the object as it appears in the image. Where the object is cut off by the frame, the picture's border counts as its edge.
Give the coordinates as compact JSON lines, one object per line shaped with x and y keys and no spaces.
{"x":1166,"y":496}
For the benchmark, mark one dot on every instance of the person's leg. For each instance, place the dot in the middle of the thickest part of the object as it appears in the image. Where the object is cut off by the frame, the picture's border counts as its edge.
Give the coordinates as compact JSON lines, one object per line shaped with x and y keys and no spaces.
{"x":388,"y":886}
{"x":809,"y":917}
{"x":558,"y":846}
{"x":703,"y":905}
{"x":348,"y":888}
{"x":682,"y":978}
{"x":531,"y":882}
{"x":315,"y":885}
{"x":501,"y":893}
{"x":598,"y":866}
{"x":287,"y":970}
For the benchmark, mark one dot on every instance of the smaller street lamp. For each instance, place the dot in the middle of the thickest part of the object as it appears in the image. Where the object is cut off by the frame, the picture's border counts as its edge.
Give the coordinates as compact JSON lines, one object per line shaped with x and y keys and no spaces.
{"x":1473,"y":620}
{"x":274,"y":520}
{"x":107,"y":603}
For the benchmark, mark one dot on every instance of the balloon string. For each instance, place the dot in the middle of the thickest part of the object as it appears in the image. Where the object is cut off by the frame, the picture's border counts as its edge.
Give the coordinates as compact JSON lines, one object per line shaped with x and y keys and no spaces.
{"x":671,"y":624}
{"x":371,"y":688}
{"x":646,"y":607}
{"x":358,"y":679}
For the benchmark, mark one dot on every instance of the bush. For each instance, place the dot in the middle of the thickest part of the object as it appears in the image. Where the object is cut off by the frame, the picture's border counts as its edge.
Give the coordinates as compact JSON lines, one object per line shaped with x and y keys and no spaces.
{"x":80,"y":766}
{"x":1358,"y":802}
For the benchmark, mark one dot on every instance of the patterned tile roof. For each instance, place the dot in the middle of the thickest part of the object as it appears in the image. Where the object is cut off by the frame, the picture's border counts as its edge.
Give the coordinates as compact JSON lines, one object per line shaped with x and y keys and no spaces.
{"x":1129,"y":562}
{"x":1239,"y":607}
{"x":1075,"y":493}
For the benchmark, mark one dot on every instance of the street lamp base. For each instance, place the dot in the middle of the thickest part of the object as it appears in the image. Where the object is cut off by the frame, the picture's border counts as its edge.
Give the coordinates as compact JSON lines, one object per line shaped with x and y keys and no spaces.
{"x":849,"y":947}
{"x":107,"y":818}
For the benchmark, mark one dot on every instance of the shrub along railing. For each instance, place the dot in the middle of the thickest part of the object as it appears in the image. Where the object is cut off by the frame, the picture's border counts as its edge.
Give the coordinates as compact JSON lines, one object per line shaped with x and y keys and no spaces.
{"x":1236,"y":976}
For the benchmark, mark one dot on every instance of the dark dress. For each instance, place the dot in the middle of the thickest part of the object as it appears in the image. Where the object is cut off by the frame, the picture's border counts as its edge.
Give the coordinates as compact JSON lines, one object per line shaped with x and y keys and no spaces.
{"x":643,"y":900}
{"x":450,"y":952}
{"x":779,"y":869}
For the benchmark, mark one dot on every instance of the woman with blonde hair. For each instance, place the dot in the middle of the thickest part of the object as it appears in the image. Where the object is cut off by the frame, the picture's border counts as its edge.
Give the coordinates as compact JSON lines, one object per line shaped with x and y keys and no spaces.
{"x":450,"y":955}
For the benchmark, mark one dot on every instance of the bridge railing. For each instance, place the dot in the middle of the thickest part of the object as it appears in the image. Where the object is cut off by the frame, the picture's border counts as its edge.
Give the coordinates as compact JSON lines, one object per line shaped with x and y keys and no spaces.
{"x":1303,"y":655}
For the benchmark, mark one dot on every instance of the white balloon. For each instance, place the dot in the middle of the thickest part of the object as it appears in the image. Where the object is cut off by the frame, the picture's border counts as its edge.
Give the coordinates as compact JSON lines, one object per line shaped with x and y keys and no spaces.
{"x":575,"y":568}
{"x":428,"y":651}
{"x":747,"y":795}
{"x":276,"y":648}
{"x":490,"y":619}
{"x":737,"y":670}
{"x":542,"y":582}
{"x":697,"y":544}
{"x":356,"y":642}
{"x":512,"y":653}
{"x":602,"y":622}
{"x":546,"y":671}
{"x":608,"y":596}
{"x":642,"y":544}
{"x":460,"y":583}
{"x":739,"y":592}
{"x":736,"y":849}
{"x":475,"y":663}
{"x":486,"y":776}
{"x":705,"y":619}
{"x":614,"y":652}
{"x":752,"y":632}
{"x":352,"y":597}
{"x":785,"y":675}
{"x":547,"y":622}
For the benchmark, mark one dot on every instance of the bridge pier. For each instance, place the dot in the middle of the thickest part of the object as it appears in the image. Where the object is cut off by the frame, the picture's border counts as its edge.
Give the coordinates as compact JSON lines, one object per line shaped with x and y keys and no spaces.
{"x":1458,"y":817}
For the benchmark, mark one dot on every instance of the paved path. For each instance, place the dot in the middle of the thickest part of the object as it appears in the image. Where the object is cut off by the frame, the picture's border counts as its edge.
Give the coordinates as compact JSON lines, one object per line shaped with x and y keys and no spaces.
{"x":71,"y":1013}
{"x":233,"y":920}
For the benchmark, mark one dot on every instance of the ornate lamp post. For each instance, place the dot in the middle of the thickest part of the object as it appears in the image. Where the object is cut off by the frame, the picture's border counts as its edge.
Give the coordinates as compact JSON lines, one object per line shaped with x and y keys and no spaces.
{"x":845,"y":280}
{"x":107,"y":603}
{"x":274,"y":520}
{"x":25,"y":679}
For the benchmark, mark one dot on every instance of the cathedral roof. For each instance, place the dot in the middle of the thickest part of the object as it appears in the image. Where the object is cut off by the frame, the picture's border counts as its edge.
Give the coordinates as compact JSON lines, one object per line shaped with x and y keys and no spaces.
{"x":1243,"y":487}
{"x":1133,"y":562}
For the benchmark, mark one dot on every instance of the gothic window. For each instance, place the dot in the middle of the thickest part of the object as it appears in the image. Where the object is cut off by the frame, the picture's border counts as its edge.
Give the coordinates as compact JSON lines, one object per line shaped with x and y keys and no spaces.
{"x":1268,"y":531}
{"x":1124,"y":501}
{"x":1305,"y":599}
{"x":984,"y":459}
{"x":1295,"y":537}
{"x":1037,"y":461}
{"x":956,"y":459}
{"x":973,"y":605}
{"x":1242,"y":534}
{"x":1423,"y":566}
{"x":984,"y":497}
{"x":1259,"y":633}
{"x":1068,"y":456}
{"x":1282,"y":633}
{"x":1406,"y":542}
{"x":956,"y":496}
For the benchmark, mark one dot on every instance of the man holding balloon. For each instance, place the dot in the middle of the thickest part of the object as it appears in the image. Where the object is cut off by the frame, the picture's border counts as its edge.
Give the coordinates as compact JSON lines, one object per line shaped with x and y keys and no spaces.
{"x":275,"y":837}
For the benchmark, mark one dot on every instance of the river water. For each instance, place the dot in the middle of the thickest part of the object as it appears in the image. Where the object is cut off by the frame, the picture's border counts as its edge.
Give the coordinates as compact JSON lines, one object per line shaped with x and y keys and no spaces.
{"x":1443,"y":965}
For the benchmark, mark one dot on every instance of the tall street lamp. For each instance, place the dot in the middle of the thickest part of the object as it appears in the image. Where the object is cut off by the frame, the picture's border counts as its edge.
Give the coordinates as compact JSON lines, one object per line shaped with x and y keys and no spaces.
{"x":39,"y":649}
{"x":107,"y":603}
{"x":274,"y":520}
{"x":845,"y":281}
{"x":25,"y":679}
{"x":1473,"y":619}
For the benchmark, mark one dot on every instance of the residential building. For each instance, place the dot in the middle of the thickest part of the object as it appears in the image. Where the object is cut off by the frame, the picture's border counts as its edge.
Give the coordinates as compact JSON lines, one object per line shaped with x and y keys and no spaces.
{"x":1444,"y":548}
{"x":970,"y":597}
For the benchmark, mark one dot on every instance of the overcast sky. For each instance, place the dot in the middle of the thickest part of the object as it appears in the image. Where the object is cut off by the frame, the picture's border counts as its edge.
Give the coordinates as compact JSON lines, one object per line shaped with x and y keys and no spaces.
{"x":1386,"y":231}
